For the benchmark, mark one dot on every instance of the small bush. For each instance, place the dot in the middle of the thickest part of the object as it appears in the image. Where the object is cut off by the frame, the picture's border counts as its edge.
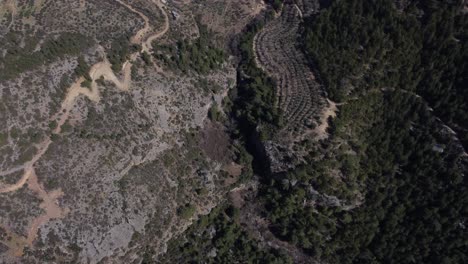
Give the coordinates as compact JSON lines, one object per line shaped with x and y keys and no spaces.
{"x":186,"y":212}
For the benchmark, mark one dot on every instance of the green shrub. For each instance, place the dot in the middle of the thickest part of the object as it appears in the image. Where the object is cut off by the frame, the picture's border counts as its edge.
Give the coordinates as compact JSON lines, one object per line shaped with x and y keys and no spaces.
{"x":186,"y":212}
{"x":18,"y":60}
{"x":214,"y":113}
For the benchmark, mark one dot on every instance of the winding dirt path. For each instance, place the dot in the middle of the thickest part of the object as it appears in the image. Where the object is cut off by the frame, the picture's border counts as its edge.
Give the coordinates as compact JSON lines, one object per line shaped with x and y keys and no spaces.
{"x":98,"y":70}
{"x":28,"y":167}
{"x":50,"y":205}
{"x":139,"y":36}
{"x":101,"y":69}
{"x":147,"y":45}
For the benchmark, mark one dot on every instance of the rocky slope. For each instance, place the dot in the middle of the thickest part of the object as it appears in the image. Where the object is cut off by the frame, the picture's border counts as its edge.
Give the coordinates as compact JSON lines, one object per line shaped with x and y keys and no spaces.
{"x":97,"y":175}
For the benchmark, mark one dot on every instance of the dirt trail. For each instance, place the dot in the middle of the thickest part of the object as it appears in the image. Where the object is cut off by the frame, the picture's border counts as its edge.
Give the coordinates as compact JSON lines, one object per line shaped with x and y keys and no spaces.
{"x":147,"y":45}
{"x":328,"y":112}
{"x":138,"y":38}
{"x":98,"y":70}
{"x":320,"y":132}
{"x":101,"y":69}
{"x":16,"y":243}
{"x":28,"y":167}
{"x":49,"y":205}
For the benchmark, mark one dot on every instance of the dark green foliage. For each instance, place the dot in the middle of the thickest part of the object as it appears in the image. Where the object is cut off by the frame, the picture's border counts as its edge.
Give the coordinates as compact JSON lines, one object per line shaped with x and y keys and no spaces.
{"x":3,"y":139}
{"x":146,"y":58}
{"x":83,"y":69}
{"x":414,"y":199}
{"x":254,"y":104}
{"x":119,"y":51}
{"x":20,"y":59}
{"x":444,"y":60}
{"x":86,"y":83}
{"x":199,"y":55}
{"x":53,"y":125}
{"x":187,"y":211}
{"x":214,"y":113}
{"x":360,"y":45}
{"x":219,"y":232}
{"x":414,"y":196}
{"x":244,"y":158}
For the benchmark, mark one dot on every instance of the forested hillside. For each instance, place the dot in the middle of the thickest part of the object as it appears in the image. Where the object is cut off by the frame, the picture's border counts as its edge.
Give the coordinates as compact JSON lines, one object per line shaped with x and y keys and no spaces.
{"x":389,"y":185}
{"x":363,"y":45}
{"x":381,"y":193}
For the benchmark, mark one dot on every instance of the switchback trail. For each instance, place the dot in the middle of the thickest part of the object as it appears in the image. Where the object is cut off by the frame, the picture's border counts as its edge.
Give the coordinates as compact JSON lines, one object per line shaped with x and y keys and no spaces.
{"x":50,"y":205}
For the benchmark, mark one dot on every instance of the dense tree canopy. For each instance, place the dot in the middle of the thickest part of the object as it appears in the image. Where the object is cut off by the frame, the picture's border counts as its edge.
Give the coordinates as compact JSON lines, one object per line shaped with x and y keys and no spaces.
{"x":388,"y":184}
{"x":384,"y":192}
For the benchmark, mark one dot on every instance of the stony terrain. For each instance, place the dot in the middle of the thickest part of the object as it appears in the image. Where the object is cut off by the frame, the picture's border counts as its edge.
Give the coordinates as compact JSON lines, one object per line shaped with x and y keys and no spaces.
{"x":95,"y":174}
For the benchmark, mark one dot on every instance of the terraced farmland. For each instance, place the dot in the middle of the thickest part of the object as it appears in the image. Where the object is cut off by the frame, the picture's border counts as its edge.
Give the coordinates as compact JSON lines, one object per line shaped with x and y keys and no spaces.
{"x":299,"y":96}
